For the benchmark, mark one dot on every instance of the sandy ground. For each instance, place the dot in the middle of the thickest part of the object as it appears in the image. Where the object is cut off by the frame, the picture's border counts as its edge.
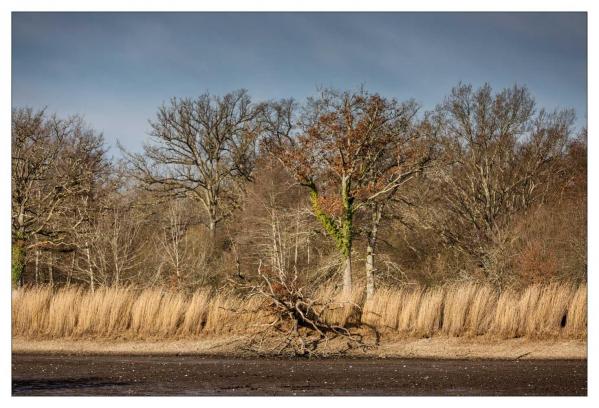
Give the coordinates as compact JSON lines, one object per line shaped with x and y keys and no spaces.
{"x":434,"y":348}
{"x":59,"y":374}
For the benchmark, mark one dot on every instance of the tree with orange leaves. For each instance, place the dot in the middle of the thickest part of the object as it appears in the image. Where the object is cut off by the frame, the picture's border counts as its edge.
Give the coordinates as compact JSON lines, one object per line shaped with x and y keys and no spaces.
{"x":351,"y":150}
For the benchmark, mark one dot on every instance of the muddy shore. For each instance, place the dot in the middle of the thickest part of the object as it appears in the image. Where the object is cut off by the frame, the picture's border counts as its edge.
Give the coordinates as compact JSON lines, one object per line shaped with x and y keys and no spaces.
{"x":55,"y":374}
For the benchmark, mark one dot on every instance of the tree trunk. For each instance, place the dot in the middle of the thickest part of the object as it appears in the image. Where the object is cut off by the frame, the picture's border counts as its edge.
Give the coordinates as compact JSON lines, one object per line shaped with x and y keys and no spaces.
{"x":37,"y":266}
{"x":117,"y":268}
{"x":212,"y":220}
{"x":295,"y":253}
{"x":347,"y":284}
{"x":345,"y":238}
{"x":18,"y":259}
{"x":70,"y":273}
{"x":212,"y":230}
{"x":342,"y":232}
{"x":51,"y":269}
{"x":90,"y":270}
{"x":275,"y":248}
{"x":370,"y":250}
{"x":18,"y":262}
{"x":369,"y":271}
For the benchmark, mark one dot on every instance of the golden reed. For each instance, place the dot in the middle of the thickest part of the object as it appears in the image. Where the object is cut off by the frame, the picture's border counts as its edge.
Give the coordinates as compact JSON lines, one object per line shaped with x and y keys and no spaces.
{"x":538,"y":311}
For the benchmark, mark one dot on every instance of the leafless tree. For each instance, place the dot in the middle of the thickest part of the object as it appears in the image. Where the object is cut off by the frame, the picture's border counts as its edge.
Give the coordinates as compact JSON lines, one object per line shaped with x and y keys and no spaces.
{"x":500,"y":157}
{"x":201,"y":148}
{"x":124,"y":227}
{"x":55,"y":164}
{"x":180,"y":255}
{"x":407,"y":150}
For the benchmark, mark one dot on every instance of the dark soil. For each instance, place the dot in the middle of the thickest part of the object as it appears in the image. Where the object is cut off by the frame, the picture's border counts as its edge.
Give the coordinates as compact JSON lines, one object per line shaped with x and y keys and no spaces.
{"x":36,"y":374}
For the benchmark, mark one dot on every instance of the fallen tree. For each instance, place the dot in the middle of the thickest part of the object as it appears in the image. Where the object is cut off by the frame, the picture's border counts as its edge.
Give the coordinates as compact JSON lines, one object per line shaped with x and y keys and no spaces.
{"x":299,"y":320}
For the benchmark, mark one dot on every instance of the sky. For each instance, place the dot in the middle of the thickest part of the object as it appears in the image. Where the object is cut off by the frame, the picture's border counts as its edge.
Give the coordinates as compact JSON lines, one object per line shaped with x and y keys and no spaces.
{"x":116,"y":69}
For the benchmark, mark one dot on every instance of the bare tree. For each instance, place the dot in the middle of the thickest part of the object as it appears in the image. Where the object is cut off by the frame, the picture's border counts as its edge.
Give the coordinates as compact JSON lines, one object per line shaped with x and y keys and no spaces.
{"x":275,"y":239}
{"x":406,"y":150}
{"x":500,"y":157}
{"x":124,"y":246}
{"x":179,"y":255}
{"x":201,"y":148}
{"x":55,"y":163}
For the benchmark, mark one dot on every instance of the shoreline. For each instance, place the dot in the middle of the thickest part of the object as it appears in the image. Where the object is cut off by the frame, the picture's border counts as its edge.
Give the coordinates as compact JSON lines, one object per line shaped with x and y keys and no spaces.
{"x":229,"y":347}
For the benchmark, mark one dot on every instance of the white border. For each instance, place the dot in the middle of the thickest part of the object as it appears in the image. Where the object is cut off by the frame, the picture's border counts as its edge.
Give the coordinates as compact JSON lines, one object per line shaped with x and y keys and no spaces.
{"x":7,"y":7}
{"x":306,"y":5}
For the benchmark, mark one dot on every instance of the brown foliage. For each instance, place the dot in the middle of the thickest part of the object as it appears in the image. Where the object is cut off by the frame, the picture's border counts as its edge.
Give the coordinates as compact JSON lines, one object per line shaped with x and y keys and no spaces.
{"x":504,"y":202}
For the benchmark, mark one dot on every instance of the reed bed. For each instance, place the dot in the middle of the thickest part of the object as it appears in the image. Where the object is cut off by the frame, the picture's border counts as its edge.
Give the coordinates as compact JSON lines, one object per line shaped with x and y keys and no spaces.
{"x":538,"y":311}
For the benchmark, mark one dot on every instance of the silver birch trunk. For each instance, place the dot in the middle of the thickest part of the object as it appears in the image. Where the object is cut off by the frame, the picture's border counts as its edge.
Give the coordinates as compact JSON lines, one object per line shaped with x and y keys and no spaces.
{"x":51,"y":270}
{"x":370,"y":251}
{"x":90,"y":270}
{"x":369,"y":271}
{"x":37,"y":266}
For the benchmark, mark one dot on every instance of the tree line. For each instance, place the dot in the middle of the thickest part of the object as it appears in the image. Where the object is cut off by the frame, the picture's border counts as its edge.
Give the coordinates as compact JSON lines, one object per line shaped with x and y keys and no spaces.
{"x":346,"y":186}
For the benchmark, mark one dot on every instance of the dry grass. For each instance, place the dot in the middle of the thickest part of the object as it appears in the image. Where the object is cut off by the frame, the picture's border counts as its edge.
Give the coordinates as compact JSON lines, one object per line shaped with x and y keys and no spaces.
{"x":538,"y":311}
{"x":430,"y":314}
{"x":576,"y":323}
{"x":481,"y":311}
{"x":196,"y":314}
{"x":407,"y":312}
{"x":338,"y":309}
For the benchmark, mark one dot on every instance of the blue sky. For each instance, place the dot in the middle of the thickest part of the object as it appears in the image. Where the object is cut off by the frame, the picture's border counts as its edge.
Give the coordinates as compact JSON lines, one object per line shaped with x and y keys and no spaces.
{"x":117,"y":68}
